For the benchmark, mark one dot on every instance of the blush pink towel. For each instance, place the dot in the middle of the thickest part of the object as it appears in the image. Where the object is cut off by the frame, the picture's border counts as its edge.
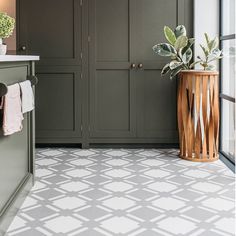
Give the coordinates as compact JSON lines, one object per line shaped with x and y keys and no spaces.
{"x":12,"y":114}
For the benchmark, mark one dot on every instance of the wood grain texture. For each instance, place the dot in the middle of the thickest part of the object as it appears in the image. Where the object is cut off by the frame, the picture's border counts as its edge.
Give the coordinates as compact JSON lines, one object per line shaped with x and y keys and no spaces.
{"x":198,"y":115}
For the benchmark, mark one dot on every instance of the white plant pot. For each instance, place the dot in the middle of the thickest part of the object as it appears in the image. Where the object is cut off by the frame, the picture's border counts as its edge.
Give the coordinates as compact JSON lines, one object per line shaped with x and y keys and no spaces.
{"x":3,"y":49}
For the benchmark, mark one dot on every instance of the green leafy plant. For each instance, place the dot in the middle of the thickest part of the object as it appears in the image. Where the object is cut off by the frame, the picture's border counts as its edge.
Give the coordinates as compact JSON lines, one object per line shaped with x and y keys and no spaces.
{"x":211,"y":53}
{"x":7,"y":25}
{"x":178,"y":49}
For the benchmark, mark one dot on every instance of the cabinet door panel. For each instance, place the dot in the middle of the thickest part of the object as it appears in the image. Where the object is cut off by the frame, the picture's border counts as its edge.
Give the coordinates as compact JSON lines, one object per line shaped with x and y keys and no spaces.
{"x":111,"y":81}
{"x":151,"y":17}
{"x":156,"y":106}
{"x":112,"y":30}
{"x":111,"y":113}
{"x":156,"y":96}
{"x":58,"y":103}
{"x":51,"y":29}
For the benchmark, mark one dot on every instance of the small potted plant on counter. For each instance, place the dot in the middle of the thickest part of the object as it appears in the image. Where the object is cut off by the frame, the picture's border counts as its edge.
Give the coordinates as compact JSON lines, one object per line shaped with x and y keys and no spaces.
{"x":7,"y":25}
{"x":198,"y":93}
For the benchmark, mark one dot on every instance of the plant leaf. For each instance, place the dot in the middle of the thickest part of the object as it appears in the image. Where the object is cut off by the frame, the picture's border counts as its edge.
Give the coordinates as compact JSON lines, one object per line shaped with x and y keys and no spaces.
{"x":191,"y":41}
{"x":187,"y":56}
{"x":175,"y":64}
{"x":180,"y":31}
{"x":213,"y":44}
{"x":189,"y":45}
{"x":207,"y":39}
{"x":169,"y":34}
{"x":181,"y":42}
{"x":216,"y":52}
{"x":165,"y":69}
{"x":206,"y":52}
{"x":164,"y":49}
{"x":182,"y":51}
{"x":175,"y":72}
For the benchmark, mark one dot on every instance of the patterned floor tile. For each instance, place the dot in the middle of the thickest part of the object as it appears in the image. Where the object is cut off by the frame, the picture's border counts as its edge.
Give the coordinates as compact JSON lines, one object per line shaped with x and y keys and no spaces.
{"x":126,"y":192}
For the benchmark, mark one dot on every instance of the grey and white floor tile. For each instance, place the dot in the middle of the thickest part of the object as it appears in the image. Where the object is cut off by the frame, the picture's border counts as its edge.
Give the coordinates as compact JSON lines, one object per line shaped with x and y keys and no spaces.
{"x":108,"y":192}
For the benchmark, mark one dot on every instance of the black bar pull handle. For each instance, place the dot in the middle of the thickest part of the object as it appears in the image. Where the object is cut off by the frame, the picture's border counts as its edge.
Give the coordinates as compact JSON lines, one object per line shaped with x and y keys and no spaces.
{"x":3,"y":89}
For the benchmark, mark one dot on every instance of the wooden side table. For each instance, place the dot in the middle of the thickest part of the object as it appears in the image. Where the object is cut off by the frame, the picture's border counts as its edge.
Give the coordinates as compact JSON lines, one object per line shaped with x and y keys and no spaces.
{"x":198,"y":115}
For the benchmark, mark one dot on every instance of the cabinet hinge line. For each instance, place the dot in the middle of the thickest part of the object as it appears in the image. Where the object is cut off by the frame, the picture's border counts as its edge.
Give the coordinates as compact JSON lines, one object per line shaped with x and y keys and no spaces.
{"x":81,"y":128}
{"x":81,"y":55}
{"x":81,"y":2}
{"x":81,"y":75}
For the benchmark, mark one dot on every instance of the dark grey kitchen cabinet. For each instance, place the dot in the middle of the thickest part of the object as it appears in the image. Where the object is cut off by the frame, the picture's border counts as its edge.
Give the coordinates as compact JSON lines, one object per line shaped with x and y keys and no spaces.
{"x":129,"y":101}
{"x":99,"y":80}
{"x":156,"y":96}
{"x":53,"y":30}
{"x":17,"y":151}
{"x":112,"y":85}
{"x":59,"y":103}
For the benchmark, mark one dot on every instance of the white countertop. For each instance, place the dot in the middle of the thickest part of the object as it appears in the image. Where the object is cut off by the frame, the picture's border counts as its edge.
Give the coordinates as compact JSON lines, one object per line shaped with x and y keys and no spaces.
{"x":8,"y":58}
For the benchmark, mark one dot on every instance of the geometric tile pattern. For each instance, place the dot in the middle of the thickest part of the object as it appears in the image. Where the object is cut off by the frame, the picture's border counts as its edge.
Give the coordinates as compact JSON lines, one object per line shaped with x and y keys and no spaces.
{"x":134,"y":192}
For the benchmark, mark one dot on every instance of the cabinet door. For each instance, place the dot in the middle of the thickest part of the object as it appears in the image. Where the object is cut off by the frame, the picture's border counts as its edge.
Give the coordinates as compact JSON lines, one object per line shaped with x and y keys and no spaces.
{"x":51,"y":29}
{"x":156,"y":96}
{"x":58,"y":104}
{"x":112,"y":84}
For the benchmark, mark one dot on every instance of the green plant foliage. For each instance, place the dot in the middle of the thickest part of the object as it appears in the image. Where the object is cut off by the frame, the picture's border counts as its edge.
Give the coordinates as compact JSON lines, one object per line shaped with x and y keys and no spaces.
{"x":178,"y":49}
{"x":164,"y":49}
{"x":165,"y":69}
{"x":191,"y":41}
{"x":211,"y":53}
{"x":175,"y":72}
{"x":180,"y":30}
{"x":7,"y":25}
{"x":181,"y":42}
{"x":175,"y":64}
{"x":170,"y":36}
{"x":187,"y":56}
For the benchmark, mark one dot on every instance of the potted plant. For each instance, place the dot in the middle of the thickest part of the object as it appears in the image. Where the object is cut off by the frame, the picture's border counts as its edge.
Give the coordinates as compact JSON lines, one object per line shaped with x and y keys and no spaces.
{"x":7,"y":25}
{"x":198,"y":94}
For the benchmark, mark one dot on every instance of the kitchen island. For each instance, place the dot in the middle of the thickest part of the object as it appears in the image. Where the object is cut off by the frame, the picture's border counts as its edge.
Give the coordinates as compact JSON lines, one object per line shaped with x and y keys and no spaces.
{"x":17,"y":150}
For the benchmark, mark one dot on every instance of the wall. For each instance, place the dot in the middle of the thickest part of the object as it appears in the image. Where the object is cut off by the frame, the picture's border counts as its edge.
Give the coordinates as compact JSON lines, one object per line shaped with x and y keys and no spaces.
{"x":9,"y":6}
{"x":206,"y":20}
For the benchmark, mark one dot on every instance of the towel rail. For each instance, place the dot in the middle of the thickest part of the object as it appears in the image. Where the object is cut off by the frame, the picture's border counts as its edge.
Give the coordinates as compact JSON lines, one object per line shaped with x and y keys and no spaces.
{"x":33,"y":79}
{"x":3,"y":87}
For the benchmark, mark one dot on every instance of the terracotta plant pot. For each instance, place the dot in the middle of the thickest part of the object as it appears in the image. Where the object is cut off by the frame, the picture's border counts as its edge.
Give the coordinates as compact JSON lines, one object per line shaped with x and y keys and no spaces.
{"x":198,"y":115}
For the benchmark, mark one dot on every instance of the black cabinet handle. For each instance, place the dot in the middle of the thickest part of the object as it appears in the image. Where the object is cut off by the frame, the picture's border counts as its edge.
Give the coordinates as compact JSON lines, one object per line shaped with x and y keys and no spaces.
{"x":23,"y":48}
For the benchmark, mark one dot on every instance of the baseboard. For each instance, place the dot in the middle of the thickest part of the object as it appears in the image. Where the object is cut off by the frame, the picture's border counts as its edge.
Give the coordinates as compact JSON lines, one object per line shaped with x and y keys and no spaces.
{"x":58,"y":145}
{"x":12,"y":206}
{"x":109,"y":145}
{"x":134,"y":145}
